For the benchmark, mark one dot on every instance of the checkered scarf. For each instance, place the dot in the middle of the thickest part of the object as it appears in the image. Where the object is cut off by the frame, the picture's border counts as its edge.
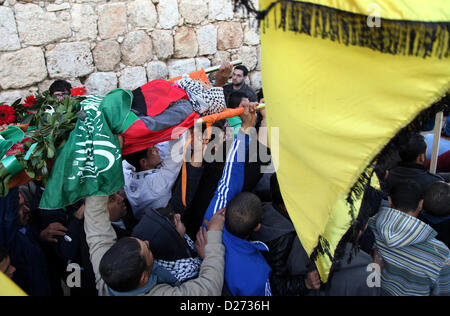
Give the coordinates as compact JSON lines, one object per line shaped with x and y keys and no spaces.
{"x":204,"y":101}
{"x":183,"y":269}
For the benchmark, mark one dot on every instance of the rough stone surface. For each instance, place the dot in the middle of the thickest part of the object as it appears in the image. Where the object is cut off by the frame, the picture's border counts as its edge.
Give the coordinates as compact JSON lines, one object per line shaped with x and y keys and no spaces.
{"x":22,"y":68}
{"x":202,"y":62}
{"x":58,"y":7}
{"x":220,"y":10}
{"x":68,"y":60}
{"x":112,"y":20}
{"x":163,"y":43}
{"x":178,"y":67}
{"x":185,"y":43}
{"x":136,"y":48}
{"x":255,"y":80}
{"x":251,"y":33}
{"x":157,"y":70}
{"x":221,"y":56}
{"x":8,"y":97}
{"x":84,"y":22}
{"x":193,"y":11}
{"x":72,"y":40}
{"x":168,"y":13}
{"x":207,"y":39}
{"x":100,"y":83}
{"x":229,"y":35}
{"x":8,"y":30}
{"x":132,"y":78}
{"x":142,"y":14}
{"x":38,"y":27}
{"x":107,"y":55}
{"x":249,"y":57}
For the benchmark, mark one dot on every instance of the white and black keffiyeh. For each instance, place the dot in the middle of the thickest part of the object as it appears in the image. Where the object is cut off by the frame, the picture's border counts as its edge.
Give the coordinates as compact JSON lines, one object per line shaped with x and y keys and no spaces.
{"x":204,"y":101}
{"x":183,"y":269}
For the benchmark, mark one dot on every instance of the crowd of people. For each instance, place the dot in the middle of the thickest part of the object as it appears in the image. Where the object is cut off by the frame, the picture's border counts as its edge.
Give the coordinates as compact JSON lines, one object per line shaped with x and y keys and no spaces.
{"x":212,"y":228}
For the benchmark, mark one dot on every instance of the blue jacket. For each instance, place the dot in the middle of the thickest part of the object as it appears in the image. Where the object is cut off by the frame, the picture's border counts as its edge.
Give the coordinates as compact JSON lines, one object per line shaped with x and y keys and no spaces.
{"x":246,"y":270}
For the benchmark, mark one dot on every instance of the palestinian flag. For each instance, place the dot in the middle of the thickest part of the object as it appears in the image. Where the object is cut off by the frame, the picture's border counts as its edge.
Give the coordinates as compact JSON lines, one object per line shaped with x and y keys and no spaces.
{"x":161,"y":112}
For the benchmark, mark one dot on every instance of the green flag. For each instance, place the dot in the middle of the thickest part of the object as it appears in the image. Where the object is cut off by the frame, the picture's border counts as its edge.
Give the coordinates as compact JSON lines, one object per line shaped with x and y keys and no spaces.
{"x":90,"y":163}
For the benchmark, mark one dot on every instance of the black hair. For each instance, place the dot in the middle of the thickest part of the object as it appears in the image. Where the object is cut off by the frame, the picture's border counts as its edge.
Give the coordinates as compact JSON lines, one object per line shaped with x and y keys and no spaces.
{"x":134,"y":158}
{"x":415,"y":146}
{"x":243,"y":68}
{"x":406,"y":195}
{"x":122,"y":265}
{"x":235,"y":98}
{"x":436,"y":199}
{"x":3,"y":253}
{"x":243,"y":214}
{"x":60,"y":86}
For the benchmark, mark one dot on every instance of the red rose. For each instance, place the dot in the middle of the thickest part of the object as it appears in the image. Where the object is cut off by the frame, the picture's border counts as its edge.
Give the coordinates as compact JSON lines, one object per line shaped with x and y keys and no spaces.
{"x":29,"y":101}
{"x":7,"y":114}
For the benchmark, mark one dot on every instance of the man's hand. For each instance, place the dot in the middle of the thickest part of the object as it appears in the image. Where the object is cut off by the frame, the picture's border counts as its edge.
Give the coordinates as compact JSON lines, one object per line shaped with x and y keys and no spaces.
{"x":249,"y":116}
{"x":53,"y":230}
{"x":223,"y":74}
{"x":217,"y":221}
{"x":201,"y":242}
{"x":312,"y":281}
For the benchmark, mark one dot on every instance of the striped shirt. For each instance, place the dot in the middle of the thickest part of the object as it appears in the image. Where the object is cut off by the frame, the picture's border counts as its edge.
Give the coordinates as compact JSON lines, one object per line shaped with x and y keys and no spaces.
{"x":416,"y":263}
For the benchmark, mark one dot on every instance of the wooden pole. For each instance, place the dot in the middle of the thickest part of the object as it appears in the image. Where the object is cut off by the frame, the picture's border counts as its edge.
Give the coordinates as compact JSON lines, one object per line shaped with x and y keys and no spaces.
{"x":436,"y":139}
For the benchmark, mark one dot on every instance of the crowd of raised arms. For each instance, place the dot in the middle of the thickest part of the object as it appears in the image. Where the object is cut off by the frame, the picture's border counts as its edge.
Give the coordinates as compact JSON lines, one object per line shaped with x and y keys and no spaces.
{"x":220,"y":227}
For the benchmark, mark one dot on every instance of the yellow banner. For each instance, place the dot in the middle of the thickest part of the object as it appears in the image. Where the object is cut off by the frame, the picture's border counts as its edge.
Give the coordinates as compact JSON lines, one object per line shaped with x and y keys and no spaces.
{"x":336,"y":107}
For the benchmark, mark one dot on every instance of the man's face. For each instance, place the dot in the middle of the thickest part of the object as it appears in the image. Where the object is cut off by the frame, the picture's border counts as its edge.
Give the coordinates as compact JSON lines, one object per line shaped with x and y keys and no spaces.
{"x":116,"y":207}
{"x":152,"y":160}
{"x":7,"y":268}
{"x":24,"y":212}
{"x":238,"y":77}
{"x":61,"y":95}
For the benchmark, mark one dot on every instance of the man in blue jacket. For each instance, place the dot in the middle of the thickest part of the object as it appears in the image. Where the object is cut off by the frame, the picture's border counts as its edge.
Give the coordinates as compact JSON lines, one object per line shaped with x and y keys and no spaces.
{"x":246,"y":270}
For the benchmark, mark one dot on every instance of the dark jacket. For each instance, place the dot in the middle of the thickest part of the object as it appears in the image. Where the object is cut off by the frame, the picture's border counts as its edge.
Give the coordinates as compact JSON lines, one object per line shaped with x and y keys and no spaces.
{"x":349,"y":279}
{"x":165,"y":242}
{"x":23,"y":247}
{"x":440,"y":224}
{"x":410,"y":171}
{"x":279,"y":234}
{"x":251,"y":95}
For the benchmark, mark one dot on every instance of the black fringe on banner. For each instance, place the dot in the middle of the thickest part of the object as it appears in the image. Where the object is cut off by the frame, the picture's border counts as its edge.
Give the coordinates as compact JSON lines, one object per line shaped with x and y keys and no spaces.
{"x":397,"y":37}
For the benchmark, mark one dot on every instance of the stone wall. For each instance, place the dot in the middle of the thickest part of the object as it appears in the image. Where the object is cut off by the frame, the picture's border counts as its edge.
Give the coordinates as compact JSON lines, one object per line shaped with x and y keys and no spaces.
{"x":103,"y":45}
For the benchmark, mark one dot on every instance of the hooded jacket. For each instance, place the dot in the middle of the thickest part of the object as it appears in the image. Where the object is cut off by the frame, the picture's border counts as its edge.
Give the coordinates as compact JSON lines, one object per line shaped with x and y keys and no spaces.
{"x":416,"y":263}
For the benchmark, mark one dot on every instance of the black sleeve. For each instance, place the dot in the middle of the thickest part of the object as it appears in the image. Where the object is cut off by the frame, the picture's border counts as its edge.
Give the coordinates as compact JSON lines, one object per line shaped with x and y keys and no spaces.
{"x":281,"y":282}
{"x":288,"y":285}
{"x":194,"y":176}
